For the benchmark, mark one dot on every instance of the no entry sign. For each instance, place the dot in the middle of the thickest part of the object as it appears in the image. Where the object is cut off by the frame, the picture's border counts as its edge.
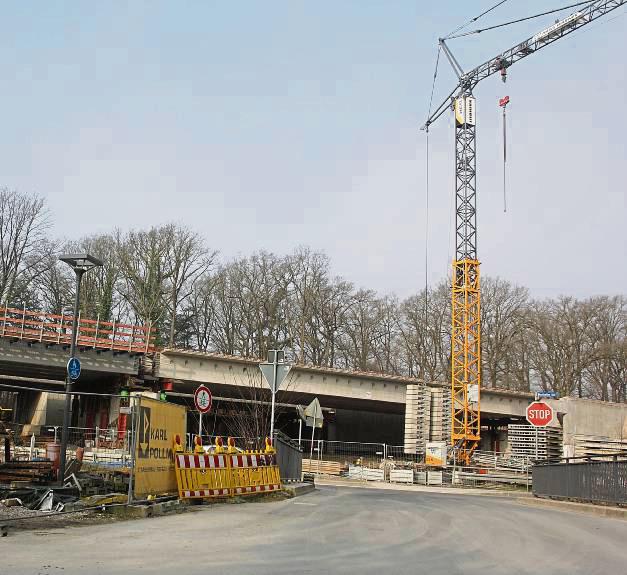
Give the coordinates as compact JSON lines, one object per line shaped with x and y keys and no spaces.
{"x":539,"y":414}
{"x":202,"y":399}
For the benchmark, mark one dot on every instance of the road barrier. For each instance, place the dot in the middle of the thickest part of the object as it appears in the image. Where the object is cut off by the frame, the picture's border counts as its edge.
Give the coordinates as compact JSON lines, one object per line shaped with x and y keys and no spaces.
{"x":226,"y":472}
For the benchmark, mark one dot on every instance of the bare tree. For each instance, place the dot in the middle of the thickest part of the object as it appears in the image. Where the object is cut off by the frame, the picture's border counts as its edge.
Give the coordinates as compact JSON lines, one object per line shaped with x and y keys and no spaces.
{"x":503,"y":307}
{"x":187,"y":259}
{"x":307,"y":273}
{"x":26,"y":253}
{"x":146,"y":273}
{"x":425,"y":334}
{"x":606,"y":373}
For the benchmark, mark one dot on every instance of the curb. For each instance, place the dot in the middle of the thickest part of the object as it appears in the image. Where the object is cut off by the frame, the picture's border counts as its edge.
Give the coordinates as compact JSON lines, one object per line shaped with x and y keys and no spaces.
{"x":587,"y":508}
{"x":299,"y":489}
{"x":143,"y":511}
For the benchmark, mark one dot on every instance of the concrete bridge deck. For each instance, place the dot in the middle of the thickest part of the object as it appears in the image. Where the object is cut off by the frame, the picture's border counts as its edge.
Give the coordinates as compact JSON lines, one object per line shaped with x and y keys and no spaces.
{"x":339,"y":388}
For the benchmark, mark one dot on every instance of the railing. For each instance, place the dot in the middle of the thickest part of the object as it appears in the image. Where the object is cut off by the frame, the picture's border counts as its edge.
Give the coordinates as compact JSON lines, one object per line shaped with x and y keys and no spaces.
{"x":601,"y":479}
{"x":289,"y":457}
{"x":23,"y":324}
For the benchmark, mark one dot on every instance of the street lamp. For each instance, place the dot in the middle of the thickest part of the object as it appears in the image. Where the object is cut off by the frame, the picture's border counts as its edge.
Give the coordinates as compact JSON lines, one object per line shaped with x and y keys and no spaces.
{"x":80,"y":263}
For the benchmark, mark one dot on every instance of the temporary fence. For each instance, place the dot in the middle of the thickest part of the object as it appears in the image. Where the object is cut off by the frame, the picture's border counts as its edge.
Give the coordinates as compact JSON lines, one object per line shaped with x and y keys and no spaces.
{"x":135,"y":455}
{"x":100,"y":445}
{"x":384,"y":462}
{"x":601,"y":479}
{"x":226,"y":471}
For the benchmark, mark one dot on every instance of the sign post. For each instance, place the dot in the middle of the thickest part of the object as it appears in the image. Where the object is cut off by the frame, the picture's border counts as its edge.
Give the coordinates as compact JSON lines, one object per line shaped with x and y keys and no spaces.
{"x":202,"y":401}
{"x":274,"y":372}
{"x":539,"y":414}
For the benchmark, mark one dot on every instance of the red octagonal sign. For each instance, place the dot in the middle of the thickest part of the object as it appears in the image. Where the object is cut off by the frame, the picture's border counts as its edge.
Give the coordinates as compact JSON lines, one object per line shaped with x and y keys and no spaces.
{"x":539,"y":414}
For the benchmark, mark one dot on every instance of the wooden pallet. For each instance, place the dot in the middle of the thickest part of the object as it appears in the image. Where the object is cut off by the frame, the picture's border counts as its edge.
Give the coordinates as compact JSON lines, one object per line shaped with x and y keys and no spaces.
{"x":323,"y":466}
{"x":32,"y":471}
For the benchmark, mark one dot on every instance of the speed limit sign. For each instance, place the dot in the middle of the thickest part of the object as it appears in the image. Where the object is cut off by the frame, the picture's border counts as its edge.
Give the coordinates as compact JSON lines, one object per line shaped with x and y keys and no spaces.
{"x":202,"y":399}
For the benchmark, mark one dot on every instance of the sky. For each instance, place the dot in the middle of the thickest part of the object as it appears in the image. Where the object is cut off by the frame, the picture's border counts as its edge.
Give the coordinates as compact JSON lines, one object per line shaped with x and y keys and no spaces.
{"x":273,"y":125}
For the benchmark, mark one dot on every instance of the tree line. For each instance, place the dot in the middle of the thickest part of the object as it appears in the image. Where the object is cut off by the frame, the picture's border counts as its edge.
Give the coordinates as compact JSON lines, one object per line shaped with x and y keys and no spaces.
{"x":168,"y":276}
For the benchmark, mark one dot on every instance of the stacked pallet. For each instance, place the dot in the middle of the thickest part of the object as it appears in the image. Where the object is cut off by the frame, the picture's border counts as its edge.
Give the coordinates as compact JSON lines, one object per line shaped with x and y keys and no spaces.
{"x":591,"y":445}
{"x":535,"y":443}
{"x":322,"y":466}
{"x":417,"y":418}
{"x":29,"y":471}
{"x":440,"y":414}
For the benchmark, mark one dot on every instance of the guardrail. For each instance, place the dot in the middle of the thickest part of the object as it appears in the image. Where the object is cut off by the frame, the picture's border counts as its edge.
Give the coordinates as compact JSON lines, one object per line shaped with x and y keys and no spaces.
{"x":596,"y":479}
{"x":23,"y":324}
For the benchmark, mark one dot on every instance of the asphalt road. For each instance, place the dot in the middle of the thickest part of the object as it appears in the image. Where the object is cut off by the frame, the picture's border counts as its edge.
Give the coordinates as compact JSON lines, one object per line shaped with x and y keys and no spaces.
{"x":334,"y":530}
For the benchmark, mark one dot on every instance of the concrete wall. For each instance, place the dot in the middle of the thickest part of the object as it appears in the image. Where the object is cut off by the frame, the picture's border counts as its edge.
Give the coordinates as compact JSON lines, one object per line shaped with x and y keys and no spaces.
{"x":589,"y":417}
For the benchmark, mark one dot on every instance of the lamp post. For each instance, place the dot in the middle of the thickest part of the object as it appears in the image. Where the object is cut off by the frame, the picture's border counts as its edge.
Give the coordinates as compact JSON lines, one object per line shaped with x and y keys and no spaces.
{"x":80,"y":263}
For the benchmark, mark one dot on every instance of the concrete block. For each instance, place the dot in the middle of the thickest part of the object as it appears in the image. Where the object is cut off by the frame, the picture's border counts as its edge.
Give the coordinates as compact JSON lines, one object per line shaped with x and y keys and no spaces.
{"x":297,"y":489}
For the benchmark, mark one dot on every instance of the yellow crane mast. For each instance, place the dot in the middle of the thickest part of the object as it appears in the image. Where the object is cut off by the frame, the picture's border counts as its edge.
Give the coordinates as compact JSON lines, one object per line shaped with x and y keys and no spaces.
{"x":466,"y":293}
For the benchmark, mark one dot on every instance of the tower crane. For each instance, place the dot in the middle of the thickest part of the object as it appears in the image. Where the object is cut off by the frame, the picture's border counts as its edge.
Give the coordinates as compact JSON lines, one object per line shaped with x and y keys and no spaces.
{"x":466,"y":299}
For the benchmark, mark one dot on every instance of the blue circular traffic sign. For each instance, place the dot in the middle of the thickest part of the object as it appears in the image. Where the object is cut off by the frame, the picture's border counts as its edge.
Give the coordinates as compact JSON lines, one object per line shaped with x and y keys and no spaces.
{"x":74,"y":368}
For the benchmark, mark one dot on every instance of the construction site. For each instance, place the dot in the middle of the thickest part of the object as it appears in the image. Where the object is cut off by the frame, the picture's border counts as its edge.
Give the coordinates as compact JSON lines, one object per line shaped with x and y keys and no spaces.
{"x":142,"y":376}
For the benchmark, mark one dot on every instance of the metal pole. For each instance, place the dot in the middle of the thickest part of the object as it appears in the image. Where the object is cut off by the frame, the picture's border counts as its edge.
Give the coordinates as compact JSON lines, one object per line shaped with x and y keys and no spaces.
{"x":273,"y":390}
{"x":300,"y":431}
{"x":68,"y":382}
{"x":200,"y":425}
{"x":536,"y":444}
{"x":132,"y":446}
{"x":313,"y":431}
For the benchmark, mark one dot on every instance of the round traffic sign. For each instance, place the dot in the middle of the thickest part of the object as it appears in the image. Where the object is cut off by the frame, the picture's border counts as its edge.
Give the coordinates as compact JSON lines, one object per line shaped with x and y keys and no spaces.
{"x":202,"y":399}
{"x":539,"y":414}
{"x":74,"y":368}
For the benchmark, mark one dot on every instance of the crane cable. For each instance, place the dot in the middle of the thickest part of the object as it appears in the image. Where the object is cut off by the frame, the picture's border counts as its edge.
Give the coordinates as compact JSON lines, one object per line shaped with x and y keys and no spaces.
{"x":474,"y":19}
{"x":478,"y":31}
{"x":435,"y":75}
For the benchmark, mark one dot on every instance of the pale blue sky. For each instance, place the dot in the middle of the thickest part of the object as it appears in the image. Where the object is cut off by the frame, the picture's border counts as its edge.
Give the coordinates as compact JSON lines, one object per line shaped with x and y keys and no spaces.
{"x":276,"y":124}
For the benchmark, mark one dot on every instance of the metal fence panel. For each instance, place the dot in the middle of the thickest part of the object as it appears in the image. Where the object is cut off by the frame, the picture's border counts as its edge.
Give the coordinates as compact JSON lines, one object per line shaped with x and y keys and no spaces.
{"x":595,"y":481}
{"x":289,"y":457}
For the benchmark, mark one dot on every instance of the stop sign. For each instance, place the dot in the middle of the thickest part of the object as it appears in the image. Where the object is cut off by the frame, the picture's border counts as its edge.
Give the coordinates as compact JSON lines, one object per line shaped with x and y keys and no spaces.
{"x":539,"y":414}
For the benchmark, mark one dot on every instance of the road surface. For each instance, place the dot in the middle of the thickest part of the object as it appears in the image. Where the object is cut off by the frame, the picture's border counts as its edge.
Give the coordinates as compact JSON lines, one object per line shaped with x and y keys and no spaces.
{"x":334,"y":530}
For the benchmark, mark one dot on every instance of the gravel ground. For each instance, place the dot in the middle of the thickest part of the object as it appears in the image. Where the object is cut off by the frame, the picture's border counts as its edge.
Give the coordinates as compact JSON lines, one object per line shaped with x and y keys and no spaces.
{"x":21,"y":518}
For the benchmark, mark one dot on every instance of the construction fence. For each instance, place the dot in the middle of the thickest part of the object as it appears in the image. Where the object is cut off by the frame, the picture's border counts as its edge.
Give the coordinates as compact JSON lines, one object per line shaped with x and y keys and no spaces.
{"x":384,"y":462}
{"x":139,"y":459}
